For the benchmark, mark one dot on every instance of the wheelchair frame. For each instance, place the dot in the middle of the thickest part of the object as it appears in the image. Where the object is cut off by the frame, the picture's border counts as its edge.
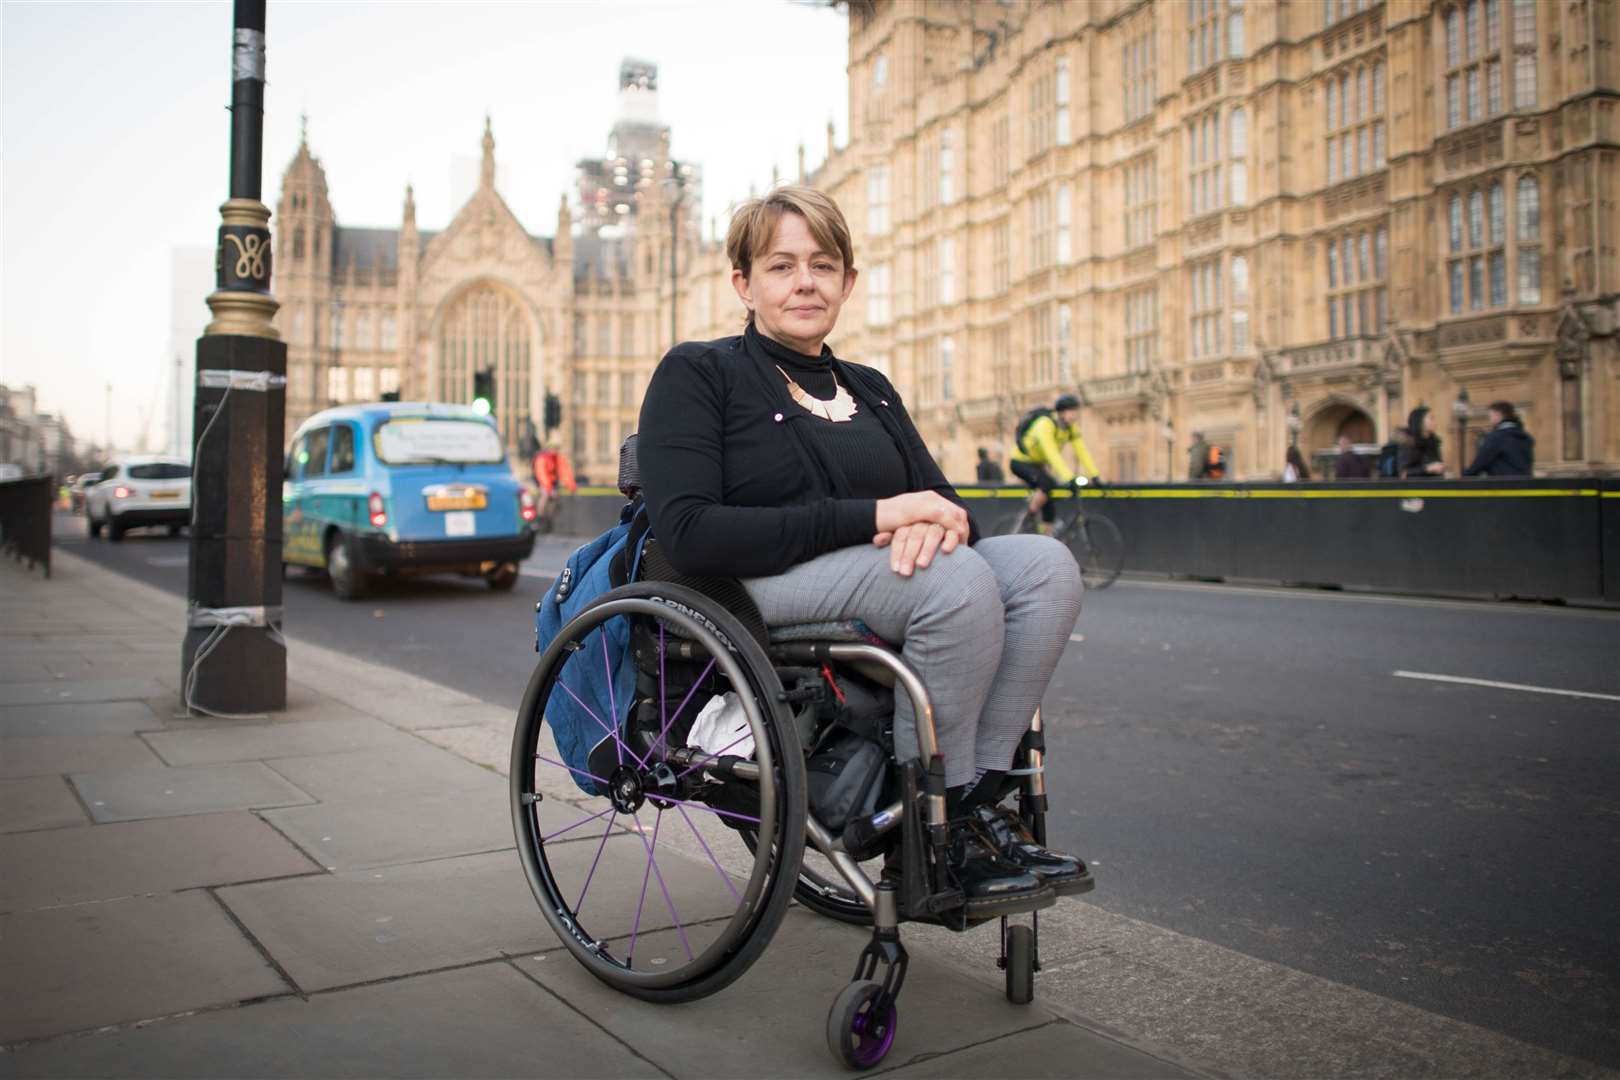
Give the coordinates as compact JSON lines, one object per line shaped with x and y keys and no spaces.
{"x":860,"y":1025}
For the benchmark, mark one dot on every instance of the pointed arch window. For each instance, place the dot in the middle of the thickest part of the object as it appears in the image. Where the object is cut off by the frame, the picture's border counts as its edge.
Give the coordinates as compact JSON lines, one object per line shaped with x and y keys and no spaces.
{"x":485,"y":327}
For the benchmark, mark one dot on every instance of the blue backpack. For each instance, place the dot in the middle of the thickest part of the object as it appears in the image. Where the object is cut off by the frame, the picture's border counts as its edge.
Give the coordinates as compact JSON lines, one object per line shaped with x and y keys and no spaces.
{"x":605,"y":563}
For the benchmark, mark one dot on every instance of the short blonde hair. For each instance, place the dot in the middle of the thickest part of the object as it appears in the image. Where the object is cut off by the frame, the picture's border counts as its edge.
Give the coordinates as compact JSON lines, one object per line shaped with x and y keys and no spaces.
{"x":753,"y":225}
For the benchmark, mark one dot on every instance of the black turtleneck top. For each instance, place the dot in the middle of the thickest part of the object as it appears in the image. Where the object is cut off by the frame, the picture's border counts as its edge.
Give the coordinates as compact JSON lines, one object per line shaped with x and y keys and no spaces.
{"x":741,"y":481}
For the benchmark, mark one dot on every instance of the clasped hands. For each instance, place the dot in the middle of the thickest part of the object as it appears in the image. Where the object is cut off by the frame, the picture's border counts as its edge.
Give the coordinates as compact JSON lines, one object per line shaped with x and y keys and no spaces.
{"x":915,"y":526}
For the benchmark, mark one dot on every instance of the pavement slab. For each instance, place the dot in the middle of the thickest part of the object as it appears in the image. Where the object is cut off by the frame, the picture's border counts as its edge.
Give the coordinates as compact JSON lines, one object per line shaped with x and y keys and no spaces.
{"x":357,"y":927}
{"x":1053,"y":1051}
{"x":386,"y":773}
{"x":257,"y":742}
{"x":99,"y":718}
{"x":138,"y":857}
{"x":45,"y":755}
{"x":132,"y":794}
{"x":402,"y":829}
{"x":501,"y":1025}
{"x":37,"y":802}
{"x":61,"y":691}
{"x":75,"y":968}
{"x":788,"y":991}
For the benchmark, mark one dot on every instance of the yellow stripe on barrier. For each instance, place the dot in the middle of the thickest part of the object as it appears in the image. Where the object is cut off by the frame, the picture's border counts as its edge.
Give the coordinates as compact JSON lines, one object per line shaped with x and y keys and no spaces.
{"x":1243,"y":493}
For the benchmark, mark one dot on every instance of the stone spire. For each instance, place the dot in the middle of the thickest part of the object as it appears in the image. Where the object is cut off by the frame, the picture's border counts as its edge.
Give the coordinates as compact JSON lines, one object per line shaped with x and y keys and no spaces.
{"x":487,"y":177}
{"x":410,"y":207}
{"x":803,"y":176}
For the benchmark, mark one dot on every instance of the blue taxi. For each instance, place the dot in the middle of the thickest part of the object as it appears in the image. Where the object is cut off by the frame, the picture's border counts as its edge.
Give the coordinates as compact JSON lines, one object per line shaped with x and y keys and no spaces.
{"x":398,"y":488}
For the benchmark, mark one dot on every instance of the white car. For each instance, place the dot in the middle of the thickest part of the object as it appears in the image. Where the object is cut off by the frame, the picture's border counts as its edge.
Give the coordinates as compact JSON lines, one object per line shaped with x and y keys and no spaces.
{"x":140,"y":491}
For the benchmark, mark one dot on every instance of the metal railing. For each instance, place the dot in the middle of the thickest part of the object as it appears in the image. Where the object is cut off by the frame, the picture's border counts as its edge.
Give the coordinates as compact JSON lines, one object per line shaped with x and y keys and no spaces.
{"x":26,"y":507}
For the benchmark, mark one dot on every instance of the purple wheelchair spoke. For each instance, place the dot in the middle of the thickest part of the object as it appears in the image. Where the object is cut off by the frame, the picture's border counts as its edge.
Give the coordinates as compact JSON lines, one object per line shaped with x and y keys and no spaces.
{"x":570,"y":768}
{"x":577,"y":824}
{"x":652,"y":859}
{"x":714,"y":756}
{"x":599,"y":847}
{"x":725,"y":877}
{"x":710,"y":809}
{"x":621,"y":747}
{"x":671,"y":721}
{"x":663,"y":702}
{"x":646,"y":875}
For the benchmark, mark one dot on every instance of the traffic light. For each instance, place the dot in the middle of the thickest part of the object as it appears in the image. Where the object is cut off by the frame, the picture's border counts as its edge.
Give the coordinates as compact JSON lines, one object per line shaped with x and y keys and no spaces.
{"x":553,"y":412}
{"x":483,"y":402}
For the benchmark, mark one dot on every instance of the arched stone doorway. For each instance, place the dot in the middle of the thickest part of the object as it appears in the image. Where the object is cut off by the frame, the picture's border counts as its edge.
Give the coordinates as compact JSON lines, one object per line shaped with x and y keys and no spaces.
{"x":486,"y":326}
{"x":1321,"y":432}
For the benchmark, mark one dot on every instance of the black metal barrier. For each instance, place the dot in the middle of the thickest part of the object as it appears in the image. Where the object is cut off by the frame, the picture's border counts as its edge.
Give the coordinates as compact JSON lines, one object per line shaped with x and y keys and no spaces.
{"x":26,"y":507}
{"x":1533,"y":538}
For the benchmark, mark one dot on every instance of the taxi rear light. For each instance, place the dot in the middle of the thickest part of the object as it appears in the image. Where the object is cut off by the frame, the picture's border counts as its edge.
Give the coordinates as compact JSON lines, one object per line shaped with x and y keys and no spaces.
{"x":526,"y":507}
{"x":120,"y":492}
{"x":374,"y":506}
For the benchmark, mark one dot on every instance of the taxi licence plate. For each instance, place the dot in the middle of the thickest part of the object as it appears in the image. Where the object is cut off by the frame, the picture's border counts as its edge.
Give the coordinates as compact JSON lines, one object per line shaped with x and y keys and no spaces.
{"x":163,"y":495}
{"x":461,"y":523}
{"x":470,"y":500}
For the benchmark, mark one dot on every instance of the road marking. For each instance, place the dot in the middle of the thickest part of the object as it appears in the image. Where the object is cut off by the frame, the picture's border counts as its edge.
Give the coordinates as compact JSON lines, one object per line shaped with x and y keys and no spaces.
{"x":1356,"y":596}
{"x":1503,"y":685}
{"x":1077,"y":637}
{"x":526,"y":572}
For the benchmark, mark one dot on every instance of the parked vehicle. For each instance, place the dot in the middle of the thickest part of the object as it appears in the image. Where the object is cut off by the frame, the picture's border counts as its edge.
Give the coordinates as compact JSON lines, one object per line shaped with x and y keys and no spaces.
{"x":403,"y":488}
{"x":138,"y":492}
{"x":81,"y":489}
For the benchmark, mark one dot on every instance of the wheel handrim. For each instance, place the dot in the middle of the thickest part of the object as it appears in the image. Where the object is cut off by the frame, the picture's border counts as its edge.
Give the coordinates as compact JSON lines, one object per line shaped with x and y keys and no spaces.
{"x":629,"y":791}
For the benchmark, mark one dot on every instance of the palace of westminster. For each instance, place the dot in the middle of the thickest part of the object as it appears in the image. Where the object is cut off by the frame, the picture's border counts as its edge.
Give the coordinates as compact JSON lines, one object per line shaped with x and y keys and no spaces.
{"x":1265,"y":220}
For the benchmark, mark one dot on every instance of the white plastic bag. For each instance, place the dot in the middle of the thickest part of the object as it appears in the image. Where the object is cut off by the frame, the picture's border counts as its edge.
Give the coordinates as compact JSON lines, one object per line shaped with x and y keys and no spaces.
{"x":721,"y":727}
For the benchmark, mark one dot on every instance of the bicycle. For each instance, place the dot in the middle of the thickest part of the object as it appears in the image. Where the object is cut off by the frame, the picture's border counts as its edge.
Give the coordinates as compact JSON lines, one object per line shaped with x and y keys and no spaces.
{"x":1093,"y":540}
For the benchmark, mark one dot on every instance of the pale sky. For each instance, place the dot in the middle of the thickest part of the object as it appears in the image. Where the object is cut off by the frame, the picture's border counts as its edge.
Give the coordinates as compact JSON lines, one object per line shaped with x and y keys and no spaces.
{"x":114,"y":142}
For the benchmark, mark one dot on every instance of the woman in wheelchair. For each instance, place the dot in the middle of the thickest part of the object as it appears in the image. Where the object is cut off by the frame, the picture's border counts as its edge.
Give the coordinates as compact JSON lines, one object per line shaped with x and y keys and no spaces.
{"x":766,"y":457}
{"x":801,"y":534}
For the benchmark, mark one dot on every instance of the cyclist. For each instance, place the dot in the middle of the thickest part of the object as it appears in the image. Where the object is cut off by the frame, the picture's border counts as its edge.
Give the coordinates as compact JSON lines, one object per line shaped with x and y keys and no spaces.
{"x":1037,"y":456}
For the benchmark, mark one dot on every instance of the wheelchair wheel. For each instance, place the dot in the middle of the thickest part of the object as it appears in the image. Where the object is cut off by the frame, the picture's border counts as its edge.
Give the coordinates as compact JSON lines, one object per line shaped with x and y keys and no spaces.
{"x":646,"y":878}
{"x":824,"y":891}
{"x":1020,"y":965}
{"x":860,"y":1031}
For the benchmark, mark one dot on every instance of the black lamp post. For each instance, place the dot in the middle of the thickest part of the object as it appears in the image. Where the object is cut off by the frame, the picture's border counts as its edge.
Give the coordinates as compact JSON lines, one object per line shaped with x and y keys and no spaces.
{"x":233,"y":660}
{"x":1461,"y":410}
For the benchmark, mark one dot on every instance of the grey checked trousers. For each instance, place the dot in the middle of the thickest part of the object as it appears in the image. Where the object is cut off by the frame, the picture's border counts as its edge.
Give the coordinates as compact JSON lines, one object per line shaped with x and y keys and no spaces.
{"x":984,"y":627}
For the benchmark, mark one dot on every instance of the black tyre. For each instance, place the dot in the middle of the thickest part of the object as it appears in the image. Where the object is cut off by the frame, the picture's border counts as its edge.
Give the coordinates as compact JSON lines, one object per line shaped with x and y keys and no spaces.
{"x":860,"y":1033}
{"x":503,"y":577}
{"x":348,"y":581}
{"x":726,"y":898}
{"x":825,"y":892}
{"x":95,"y":526}
{"x":115,"y":531}
{"x":1020,"y":965}
{"x":174,"y":530}
{"x":1098,"y":548}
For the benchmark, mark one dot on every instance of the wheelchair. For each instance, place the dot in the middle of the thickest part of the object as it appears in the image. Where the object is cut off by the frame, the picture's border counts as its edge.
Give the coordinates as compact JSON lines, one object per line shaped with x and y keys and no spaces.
{"x":738,"y":816}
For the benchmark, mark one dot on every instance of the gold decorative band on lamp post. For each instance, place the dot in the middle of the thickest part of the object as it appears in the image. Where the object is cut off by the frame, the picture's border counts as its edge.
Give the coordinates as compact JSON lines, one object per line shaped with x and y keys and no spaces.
{"x":242,"y":304}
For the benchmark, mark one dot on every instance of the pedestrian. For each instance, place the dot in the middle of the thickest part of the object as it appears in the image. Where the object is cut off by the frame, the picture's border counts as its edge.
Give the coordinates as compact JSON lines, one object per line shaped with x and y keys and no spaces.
{"x":1198,"y":457}
{"x":1294,"y":467}
{"x":1507,"y":449}
{"x":1420,"y":446}
{"x":990,"y":471}
{"x":551,"y":472}
{"x":1348,"y":465}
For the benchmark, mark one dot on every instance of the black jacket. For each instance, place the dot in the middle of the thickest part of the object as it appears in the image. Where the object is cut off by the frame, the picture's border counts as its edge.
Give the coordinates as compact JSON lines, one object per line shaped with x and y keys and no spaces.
{"x":1417,"y":449}
{"x":1506,"y":450}
{"x":733,"y":488}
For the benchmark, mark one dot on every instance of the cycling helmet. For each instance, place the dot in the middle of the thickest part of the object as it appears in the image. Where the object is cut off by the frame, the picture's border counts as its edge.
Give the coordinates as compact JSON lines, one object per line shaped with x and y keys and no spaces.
{"x":1067,"y":401}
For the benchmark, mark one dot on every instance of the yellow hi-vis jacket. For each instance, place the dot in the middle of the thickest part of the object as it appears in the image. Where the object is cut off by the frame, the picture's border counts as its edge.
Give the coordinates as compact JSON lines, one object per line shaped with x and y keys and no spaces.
{"x":1043,"y":445}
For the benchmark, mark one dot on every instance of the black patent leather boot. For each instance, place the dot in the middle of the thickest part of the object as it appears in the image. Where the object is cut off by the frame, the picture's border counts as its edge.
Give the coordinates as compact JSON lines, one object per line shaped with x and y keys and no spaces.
{"x":1067,"y":874}
{"x":992,"y":884}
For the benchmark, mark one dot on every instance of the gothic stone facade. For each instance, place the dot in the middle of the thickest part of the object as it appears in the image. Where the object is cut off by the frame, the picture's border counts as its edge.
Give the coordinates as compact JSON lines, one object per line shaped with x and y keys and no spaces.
{"x":1262,"y":219}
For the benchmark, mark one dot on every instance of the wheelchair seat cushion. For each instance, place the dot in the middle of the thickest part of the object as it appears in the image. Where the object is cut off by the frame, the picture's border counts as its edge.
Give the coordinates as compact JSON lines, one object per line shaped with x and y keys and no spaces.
{"x":836,"y":630}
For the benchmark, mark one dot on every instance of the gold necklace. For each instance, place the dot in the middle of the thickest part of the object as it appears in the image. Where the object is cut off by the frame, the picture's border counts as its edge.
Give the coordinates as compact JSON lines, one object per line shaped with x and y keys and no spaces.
{"x":840,"y":408}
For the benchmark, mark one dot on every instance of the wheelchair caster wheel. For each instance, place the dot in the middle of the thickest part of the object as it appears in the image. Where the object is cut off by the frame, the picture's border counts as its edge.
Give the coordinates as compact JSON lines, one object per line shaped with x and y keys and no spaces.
{"x":1020,"y":965}
{"x":859,"y":1030}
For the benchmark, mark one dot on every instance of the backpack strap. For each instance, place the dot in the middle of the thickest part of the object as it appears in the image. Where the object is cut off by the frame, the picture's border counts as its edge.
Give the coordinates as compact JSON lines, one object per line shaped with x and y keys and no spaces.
{"x":627,"y":560}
